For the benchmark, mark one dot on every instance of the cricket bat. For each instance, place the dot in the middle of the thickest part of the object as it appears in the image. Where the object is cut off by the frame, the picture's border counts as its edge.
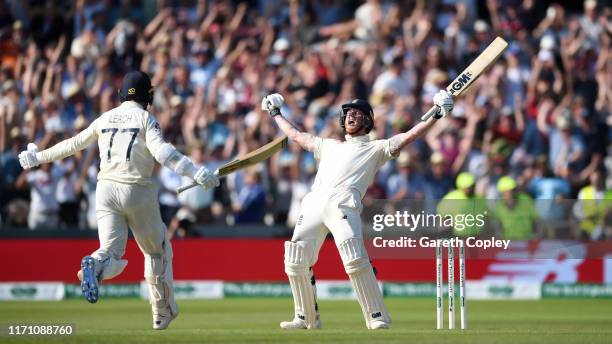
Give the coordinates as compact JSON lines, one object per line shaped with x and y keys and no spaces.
{"x":472,"y":72}
{"x":250,"y":159}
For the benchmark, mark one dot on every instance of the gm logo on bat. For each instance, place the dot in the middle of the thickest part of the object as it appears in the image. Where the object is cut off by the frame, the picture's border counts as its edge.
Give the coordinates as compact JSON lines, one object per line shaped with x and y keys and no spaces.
{"x":460,"y":82}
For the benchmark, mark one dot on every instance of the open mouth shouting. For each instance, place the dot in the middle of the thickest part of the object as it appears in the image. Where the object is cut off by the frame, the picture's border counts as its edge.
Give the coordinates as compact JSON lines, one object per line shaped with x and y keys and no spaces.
{"x":353,"y":120}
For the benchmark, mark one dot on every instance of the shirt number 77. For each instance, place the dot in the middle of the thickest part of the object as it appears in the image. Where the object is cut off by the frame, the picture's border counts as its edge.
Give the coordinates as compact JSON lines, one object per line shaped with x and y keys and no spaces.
{"x":113,"y":132}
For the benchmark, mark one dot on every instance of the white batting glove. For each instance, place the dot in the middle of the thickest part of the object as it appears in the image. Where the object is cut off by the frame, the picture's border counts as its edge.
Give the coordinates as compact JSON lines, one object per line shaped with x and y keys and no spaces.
{"x":444,"y":100}
{"x":28,"y":158}
{"x":272,"y":103}
{"x":205,"y":178}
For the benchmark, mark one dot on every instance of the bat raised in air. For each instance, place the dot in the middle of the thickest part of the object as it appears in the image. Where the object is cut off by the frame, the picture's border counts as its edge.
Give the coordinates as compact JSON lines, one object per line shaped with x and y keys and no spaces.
{"x":472,"y":72}
{"x":252,"y":158}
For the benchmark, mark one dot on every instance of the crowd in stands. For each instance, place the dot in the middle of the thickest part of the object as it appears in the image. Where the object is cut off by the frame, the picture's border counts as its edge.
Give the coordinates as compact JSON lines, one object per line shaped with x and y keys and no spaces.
{"x":532,"y":132}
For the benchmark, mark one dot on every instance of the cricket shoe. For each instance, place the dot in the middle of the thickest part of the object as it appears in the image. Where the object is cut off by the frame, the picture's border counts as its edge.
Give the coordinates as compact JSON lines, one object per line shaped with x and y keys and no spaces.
{"x":378,"y":325}
{"x":299,"y":324}
{"x":161,"y":319}
{"x":89,"y":279}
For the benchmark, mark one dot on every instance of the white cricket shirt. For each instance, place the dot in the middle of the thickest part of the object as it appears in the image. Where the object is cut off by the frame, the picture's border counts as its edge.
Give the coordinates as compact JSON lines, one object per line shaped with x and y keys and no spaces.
{"x":351,"y":164}
{"x":126,"y":137}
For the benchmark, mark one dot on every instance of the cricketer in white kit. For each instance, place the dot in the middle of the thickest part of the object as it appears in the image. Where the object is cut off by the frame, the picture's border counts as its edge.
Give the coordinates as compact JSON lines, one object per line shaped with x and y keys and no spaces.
{"x":130,"y":140}
{"x":346,"y":169}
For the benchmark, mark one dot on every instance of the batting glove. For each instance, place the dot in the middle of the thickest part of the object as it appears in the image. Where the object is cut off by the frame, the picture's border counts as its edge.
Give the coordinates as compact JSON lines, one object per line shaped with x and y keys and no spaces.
{"x":28,"y":158}
{"x":205,"y":178}
{"x":444,"y":100}
{"x":272,"y":103}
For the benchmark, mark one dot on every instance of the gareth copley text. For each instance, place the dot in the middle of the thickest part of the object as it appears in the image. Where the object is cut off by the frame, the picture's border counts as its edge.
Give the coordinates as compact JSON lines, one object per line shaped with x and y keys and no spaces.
{"x":427,"y":242}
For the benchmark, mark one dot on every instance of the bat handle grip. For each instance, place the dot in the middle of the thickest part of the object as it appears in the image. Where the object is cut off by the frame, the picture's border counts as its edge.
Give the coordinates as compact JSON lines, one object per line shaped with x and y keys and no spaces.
{"x":186,"y":187}
{"x":432,"y":111}
{"x":192,"y":185}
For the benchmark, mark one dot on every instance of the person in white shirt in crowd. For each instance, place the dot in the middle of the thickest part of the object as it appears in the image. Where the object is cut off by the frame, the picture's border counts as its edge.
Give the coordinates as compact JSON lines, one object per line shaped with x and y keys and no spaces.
{"x":194,"y":204}
{"x":89,"y":187}
{"x":168,"y":199}
{"x":396,"y":78}
{"x":44,"y":208}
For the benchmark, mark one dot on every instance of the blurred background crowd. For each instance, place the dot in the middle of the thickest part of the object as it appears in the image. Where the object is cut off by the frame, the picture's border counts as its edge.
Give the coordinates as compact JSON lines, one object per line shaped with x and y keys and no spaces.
{"x":530,"y":134}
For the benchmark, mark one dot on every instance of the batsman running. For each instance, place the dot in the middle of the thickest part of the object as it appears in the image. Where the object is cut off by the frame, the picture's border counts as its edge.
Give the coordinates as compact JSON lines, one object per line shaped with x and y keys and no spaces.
{"x":130,"y":140}
{"x":346,"y":169}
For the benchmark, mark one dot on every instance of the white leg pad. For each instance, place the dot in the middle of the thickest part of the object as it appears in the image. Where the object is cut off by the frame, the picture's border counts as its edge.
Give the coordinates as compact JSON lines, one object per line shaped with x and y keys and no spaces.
{"x":158,"y":275}
{"x":298,"y":256}
{"x":358,"y":267}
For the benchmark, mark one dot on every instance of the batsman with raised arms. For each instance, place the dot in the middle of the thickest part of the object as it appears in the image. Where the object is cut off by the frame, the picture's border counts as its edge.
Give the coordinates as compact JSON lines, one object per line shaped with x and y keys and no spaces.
{"x":346,"y":169}
{"x":130,"y":140}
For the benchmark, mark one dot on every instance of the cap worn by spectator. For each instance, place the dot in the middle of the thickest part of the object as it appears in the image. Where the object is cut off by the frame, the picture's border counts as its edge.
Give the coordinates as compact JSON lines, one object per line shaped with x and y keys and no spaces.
{"x":506,"y":110}
{"x":506,"y":183}
{"x":77,"y":48}
{"x":80,"y":123}
{"x":175,"y":101}
{"x":436,"y":158}
{"x":562,"y":123}
{"x":436,"y":76}
{"x":15,"y":133}
{"x":28,"y":116}
{"x":72,"y":90}
{"x":481,"y":26}
{"x":185,"y":214}
{"x":9,"y":85}
{"x":281,"y":44}
{"x":403,"y":160}
{"x":590,"y":4}
{"x":465,"y":180}
{"x":547,"y":42}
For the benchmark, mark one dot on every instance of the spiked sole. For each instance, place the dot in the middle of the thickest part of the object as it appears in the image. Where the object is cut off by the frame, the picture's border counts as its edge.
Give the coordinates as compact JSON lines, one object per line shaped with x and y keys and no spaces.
{"x":89,"y":284}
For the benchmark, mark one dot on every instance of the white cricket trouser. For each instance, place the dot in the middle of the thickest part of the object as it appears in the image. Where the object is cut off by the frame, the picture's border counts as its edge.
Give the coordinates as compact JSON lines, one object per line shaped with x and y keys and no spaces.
{"x":122,"y":206}
{"x":338,"y":212}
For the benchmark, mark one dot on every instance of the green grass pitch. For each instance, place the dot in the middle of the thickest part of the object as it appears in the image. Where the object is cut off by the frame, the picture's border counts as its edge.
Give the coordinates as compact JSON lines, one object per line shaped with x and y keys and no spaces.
{"x":255,"y":320}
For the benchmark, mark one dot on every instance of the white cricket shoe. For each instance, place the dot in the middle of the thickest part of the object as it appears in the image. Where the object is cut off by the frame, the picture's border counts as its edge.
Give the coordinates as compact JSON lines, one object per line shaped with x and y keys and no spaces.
{"x":162,"y":318}
{"x":378,"y":325}
{"x":299,"y":324}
